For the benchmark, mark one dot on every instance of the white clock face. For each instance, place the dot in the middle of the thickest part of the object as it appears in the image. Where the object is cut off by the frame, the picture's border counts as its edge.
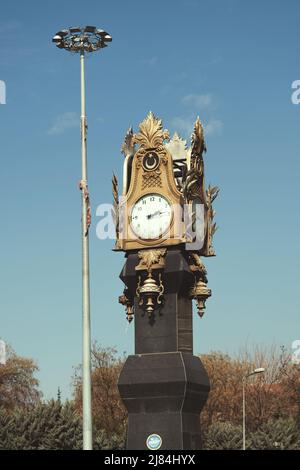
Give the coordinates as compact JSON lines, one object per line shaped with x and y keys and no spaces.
{"x":151,"y":216}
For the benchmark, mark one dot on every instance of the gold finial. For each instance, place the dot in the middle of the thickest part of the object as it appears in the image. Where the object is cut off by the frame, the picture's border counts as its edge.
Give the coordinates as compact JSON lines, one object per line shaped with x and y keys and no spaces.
{"x":198,"y":142}
{"x":128,"y":145}
{"x":151,"y":133}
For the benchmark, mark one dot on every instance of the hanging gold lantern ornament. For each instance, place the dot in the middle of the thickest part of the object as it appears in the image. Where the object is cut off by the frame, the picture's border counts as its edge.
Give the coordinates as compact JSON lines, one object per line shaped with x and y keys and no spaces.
{"x":150,"y":292}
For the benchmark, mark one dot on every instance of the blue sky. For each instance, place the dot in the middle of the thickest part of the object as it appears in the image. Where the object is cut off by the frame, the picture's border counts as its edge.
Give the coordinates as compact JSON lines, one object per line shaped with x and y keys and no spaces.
{"x":230,"y":61}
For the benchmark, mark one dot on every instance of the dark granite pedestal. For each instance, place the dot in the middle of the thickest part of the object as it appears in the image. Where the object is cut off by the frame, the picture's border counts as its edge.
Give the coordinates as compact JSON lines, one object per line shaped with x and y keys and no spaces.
{"x":163,"y":386}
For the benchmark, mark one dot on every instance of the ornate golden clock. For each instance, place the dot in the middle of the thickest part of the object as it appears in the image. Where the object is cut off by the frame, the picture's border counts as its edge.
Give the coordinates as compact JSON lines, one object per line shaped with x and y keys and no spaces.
{"x":150,"y":209}
{"x":163,"y":180}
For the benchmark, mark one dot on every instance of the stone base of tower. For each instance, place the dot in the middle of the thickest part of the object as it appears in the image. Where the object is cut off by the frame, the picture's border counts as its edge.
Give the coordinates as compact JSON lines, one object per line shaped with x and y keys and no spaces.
{"x":164,"y":394}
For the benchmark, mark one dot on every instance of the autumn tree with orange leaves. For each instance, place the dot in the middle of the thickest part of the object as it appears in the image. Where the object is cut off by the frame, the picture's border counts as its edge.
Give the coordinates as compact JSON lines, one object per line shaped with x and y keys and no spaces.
{"x":109,"y":413}
{"x":18,"y":384}
{"x":272,"y":395}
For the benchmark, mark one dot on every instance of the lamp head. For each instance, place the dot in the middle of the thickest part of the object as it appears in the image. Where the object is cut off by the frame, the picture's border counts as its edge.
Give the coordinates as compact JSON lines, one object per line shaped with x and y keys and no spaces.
{"x":86,"y":39}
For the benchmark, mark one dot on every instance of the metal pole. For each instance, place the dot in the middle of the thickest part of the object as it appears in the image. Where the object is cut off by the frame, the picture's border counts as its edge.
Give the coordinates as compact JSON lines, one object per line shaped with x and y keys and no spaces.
{"x":244,"y":415}
{"x":86,"y":326}
{"x":89,"y":39}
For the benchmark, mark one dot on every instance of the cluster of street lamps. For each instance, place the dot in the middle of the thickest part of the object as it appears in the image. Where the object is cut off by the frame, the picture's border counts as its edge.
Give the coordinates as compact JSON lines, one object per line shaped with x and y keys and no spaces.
{"x":88,"y":39}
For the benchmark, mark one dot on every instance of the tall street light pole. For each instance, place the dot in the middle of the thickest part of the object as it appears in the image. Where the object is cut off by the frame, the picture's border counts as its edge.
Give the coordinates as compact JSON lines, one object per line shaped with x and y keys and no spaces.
{"x":254,"y":372}
{"x":84,"y":40}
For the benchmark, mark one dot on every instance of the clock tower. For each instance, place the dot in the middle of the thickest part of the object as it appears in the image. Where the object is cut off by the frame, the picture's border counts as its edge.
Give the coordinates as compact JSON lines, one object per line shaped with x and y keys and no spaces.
{"x":164,"y":224}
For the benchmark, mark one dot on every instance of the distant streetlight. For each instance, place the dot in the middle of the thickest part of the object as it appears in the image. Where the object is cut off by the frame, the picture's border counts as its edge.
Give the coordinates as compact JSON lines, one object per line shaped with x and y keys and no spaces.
{"x":260,"y":370}
{"x":82,"y":40}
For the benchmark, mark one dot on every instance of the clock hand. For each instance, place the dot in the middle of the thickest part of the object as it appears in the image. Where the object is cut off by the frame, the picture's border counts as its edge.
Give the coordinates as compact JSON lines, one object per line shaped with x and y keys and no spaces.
{"x":149,"y":216}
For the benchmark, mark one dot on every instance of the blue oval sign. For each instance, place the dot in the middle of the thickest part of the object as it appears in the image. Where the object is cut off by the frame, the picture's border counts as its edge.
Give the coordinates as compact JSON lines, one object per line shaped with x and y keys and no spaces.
{"x":154,"y":442}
